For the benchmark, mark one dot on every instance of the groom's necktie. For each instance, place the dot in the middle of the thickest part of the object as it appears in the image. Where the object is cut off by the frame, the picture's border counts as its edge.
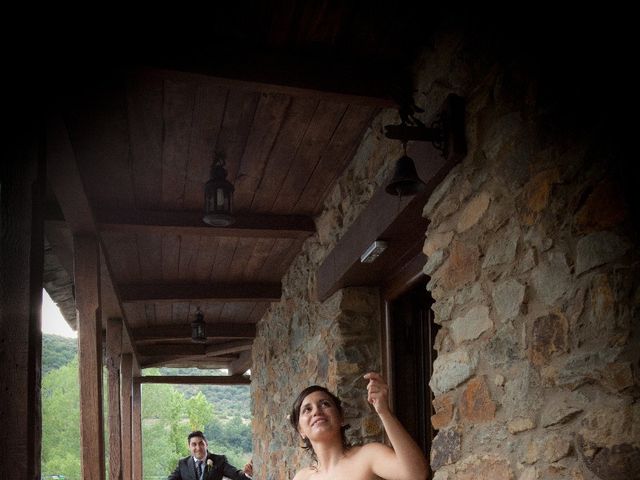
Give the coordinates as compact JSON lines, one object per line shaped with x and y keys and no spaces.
{"x":199,"y":469}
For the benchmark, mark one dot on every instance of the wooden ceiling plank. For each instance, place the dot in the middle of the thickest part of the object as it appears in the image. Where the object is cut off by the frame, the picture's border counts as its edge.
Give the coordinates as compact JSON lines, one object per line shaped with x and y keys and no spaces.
{"x":145,"y":98}
{"x":150,"y":256}
{"x":213,"y":292}
{"x":238,"y":117}
{"x":178,"y":106}
{"x":278,"y":260}
{"x":284,"y":151}
{"x":180,"y":313}
{"x":207,"y":252}
{"x":336,"y":157}
{"x":122,"y":252}
{"x":188,"y":256}
{"x":325,"y":120}
{"x":240,"y":259}
{"x":190,"y":223}
{"x":261,"y":252}
{"x":224,"y":255}
{"x":182,"y":331}
{"x":264,"y":131}
{"x":208,"y":113}
{"x":170,"y":257}
{"x":196,"y":380}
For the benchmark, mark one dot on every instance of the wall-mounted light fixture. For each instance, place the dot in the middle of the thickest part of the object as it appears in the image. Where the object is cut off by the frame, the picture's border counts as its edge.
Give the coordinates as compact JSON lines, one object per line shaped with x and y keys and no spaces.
{"x":199,"y":328}
{"x":218,"y":196}
{"x":445,"y":133}
{"x":373,"y":251}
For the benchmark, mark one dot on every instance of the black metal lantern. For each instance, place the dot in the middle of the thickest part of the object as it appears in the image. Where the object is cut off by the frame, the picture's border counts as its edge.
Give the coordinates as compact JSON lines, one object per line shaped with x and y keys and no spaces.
{"x":218,"y":196}
{"x":198,"y":329}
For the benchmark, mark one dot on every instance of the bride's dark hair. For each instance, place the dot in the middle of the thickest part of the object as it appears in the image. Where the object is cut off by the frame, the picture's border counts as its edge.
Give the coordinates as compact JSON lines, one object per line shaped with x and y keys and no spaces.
{"x":295,"y":416}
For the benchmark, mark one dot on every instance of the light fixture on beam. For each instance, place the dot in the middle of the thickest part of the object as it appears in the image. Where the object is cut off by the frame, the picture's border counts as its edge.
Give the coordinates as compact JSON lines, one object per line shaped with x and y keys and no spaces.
{"x":373,"y":251}
{"x":218,"y":196}
{"x":199,"y":328}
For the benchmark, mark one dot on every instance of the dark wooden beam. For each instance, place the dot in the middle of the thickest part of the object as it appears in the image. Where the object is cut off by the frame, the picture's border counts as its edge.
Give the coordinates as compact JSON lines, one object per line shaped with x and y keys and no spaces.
{"x":187,"y":349}
{"x":126,"y":366}
{"x":113,"y":361}
{"x":74,"y":209}
{"x":345,"y":80}
{"x":183,"y":332}
{"x":396,"y":220}
{"x":220,"y":293}
{"x":21,"y":278}
{"x":87,"y":281}
{"x":227,"y":348}
{"x":190,"y":223}
{"x":196,"y":380}
{"x":183,"y":361}
{"x":241,"y":364}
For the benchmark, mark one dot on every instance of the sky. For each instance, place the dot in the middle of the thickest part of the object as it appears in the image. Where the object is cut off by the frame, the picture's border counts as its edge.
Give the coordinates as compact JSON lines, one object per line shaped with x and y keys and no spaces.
{"x":52,"y":320}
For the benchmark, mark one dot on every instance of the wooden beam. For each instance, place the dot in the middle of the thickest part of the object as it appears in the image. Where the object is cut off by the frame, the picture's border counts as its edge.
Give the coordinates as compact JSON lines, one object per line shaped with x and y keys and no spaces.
{"x":73,"y":204}
{"x":186,"y":361}
{"x":210,"y":292}
{"x":227,"y":348}
{"x":241,"y":364}
{"x":126,"y":365}
{"x":87,"y":288}
{"x":352,"y":80}
{"x":113,"y":361}
{"x":21,"y":267}
{"x":183,"y":332}
{"x":196,"y":379}
{"x":186,"y":349}
{"x":136,"y":431}
{"x":190,"y":223}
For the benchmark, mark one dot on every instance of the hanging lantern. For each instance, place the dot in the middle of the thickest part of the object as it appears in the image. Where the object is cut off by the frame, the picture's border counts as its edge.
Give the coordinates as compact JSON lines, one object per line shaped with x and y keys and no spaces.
{"x":218,"y":196}
{"x":198,"y":329}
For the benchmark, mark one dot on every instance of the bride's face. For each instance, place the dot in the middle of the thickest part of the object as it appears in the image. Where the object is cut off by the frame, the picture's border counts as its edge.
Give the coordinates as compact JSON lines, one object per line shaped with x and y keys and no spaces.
{"x":319,"y":416}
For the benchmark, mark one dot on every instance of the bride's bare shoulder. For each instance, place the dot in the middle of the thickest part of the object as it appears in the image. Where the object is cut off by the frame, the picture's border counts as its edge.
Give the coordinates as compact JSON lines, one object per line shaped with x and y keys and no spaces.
{"x":304,"y":474}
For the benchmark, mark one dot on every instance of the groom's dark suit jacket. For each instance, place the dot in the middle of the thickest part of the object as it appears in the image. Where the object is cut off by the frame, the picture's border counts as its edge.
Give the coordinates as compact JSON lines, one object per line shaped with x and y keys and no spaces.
{"x":186,"y":469}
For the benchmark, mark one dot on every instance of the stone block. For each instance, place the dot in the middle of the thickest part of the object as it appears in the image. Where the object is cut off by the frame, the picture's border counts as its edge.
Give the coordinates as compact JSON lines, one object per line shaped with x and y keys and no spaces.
{"x":436,"y":241}
{"x":471,"y":325}
{"x":502,"y":246}
{"x":484,"y":467}
{"x":529,"y":473}
{"x":460,"y":268}
{"x":558,"y":413}
{"x":537,"y":193}
{"x":473,"y":211}
{"x":548,"y":338}
{"x":508,"y":297}
{"x":476,"y":404}
{"x":443,"y":406}
{"x":450,"y":370}
{"x":603,"y":209}
{"x":445,"y":448}
{"x":520,"y":424}
{"x":551,"y":279}
{"x":598,"y":249}
{"x":555,"y":448}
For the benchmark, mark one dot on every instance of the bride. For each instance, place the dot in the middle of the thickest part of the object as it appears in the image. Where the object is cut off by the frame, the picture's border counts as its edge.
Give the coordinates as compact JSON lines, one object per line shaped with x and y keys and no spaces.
{"x":317,"y":417}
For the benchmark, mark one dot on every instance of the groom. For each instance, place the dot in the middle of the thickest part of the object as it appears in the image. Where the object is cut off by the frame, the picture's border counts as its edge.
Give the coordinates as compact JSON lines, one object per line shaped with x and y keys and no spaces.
{"x":202,"y":465}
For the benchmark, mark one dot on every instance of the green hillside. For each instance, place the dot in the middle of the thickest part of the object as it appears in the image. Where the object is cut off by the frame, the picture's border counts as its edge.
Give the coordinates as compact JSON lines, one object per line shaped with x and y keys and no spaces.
{"x":57,"y":351}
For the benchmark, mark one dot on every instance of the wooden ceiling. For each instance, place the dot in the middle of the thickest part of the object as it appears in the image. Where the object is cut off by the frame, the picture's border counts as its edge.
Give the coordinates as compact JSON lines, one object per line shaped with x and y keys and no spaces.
{"x":284,"y":92}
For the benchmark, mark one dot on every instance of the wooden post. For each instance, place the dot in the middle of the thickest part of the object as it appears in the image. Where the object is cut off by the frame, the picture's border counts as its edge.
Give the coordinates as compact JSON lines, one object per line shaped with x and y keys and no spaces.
{"x":136,"y":431}
{"x":126,"y":365}
{"x":22,"y":186}
{"x":114,"y":351}
{"x":87,"y":284}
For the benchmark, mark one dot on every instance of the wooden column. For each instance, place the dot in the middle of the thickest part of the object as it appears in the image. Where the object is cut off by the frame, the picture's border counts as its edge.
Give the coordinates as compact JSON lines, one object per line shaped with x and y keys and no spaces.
{"x":136,"y":431}
{"x":22,"y":180}
{"x":126,"y":365}
{"x":87,"y":284}
{"x":114,"y":352}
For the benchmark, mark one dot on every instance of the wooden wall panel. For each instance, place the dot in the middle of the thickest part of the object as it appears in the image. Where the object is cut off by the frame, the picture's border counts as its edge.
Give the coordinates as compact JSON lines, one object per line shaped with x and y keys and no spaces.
{"x":126,"y":365}
{"x":113,"y":362}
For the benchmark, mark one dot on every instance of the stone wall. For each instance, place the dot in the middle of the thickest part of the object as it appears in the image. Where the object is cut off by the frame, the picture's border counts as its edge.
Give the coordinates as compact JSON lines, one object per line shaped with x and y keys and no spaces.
{"x":533,"y":257}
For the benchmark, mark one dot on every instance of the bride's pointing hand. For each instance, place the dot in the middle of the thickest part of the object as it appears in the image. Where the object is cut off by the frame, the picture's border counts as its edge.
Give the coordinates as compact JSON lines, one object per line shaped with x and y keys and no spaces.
{"x":377,"y":392}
